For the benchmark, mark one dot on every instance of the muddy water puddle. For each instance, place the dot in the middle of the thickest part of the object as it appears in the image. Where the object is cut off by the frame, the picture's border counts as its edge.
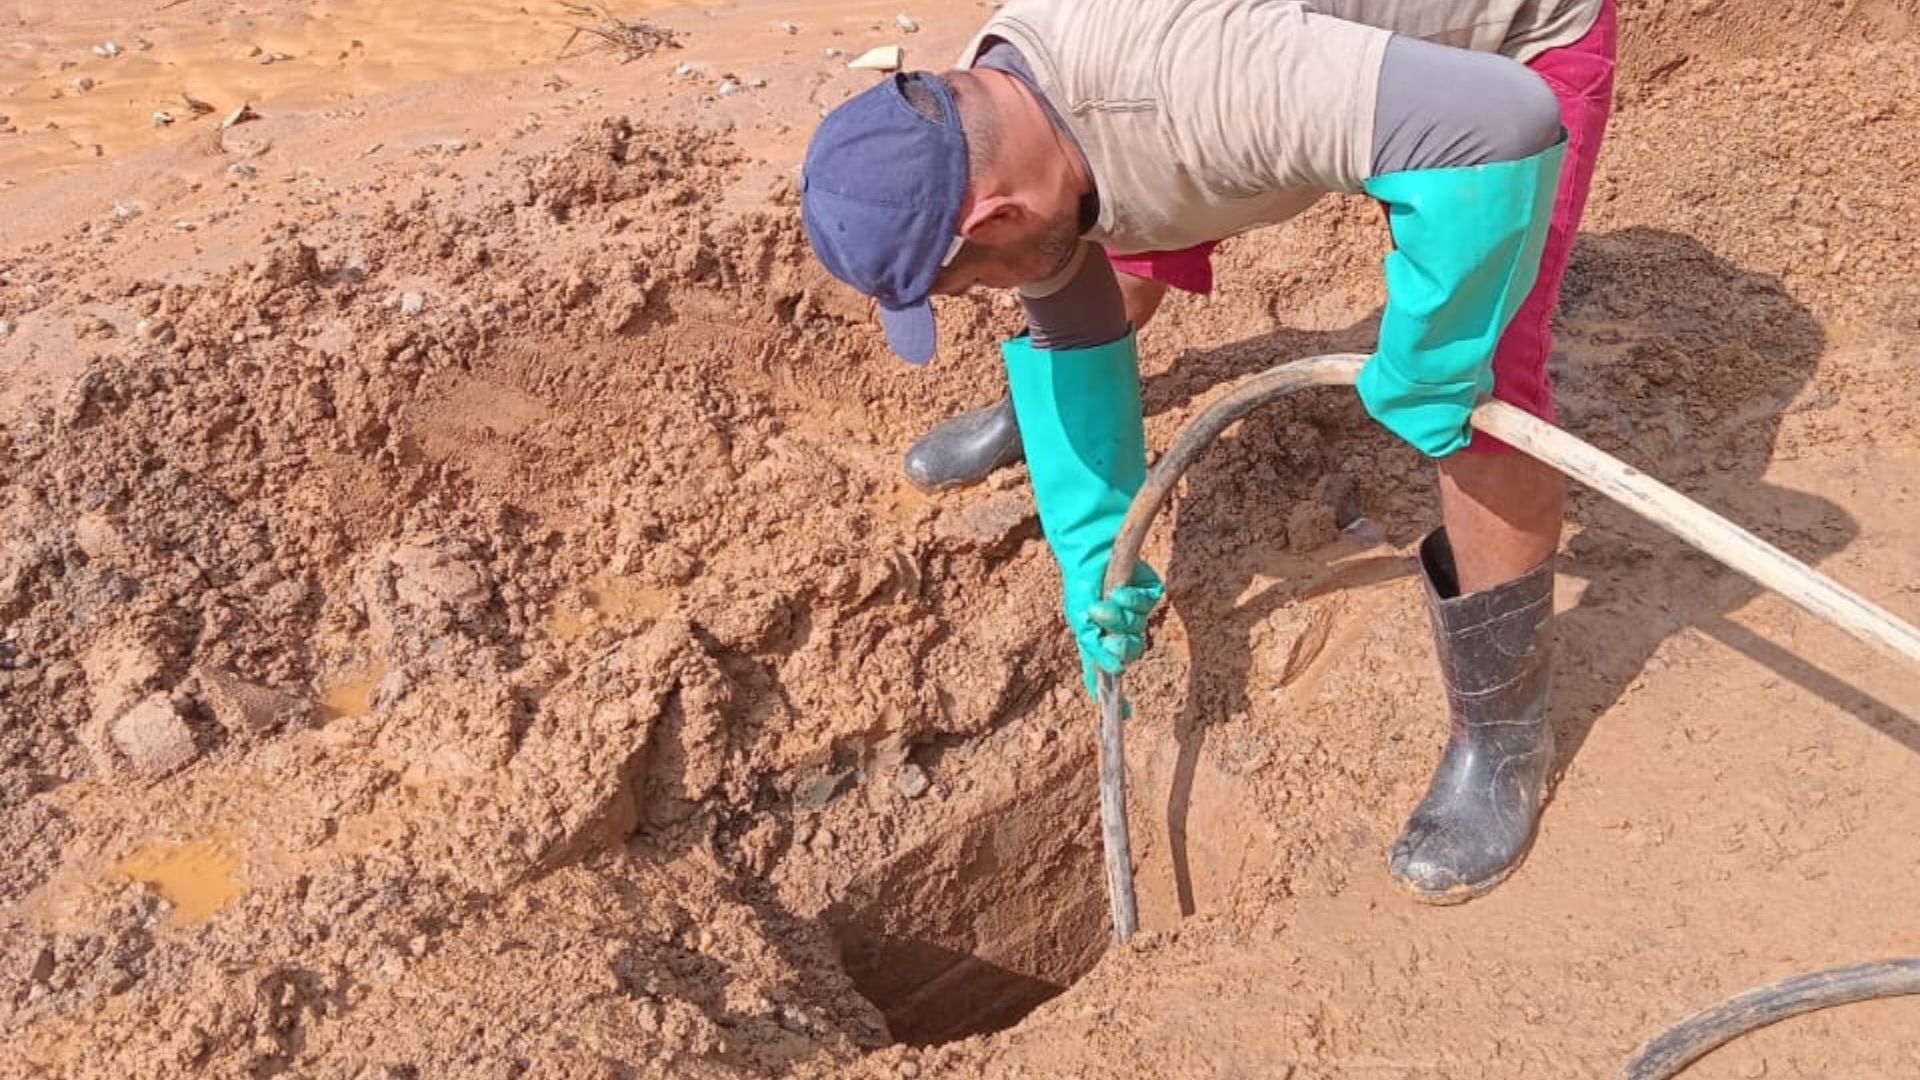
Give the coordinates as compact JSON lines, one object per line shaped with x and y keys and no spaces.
{"x":605,"y":598}
{"x":85,"y":80}
{"x":198,"y":877}
{"x":352,"y":695}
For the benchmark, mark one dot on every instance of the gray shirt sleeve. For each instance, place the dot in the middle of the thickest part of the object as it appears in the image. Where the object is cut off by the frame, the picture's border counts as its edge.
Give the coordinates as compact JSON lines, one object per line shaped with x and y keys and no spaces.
{"x":1081,"y":309}
{"x":1440,"y":108}
{"x":1437,"y":107}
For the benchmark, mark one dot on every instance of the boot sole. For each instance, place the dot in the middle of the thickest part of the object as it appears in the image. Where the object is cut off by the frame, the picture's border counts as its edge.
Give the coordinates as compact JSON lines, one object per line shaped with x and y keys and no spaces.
{"x":1459,"y":894}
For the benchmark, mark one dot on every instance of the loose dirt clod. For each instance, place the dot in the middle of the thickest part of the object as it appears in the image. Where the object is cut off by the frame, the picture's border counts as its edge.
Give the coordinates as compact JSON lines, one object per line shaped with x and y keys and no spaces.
{"x":153,"y":737}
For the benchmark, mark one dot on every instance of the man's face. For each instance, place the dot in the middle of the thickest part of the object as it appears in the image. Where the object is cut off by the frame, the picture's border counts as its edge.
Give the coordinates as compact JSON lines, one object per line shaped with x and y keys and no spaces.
{"x":1012,"y":246}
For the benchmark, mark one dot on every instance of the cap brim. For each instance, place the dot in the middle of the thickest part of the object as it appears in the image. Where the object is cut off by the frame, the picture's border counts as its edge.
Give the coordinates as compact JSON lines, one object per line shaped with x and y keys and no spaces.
{"x":910,"y":331}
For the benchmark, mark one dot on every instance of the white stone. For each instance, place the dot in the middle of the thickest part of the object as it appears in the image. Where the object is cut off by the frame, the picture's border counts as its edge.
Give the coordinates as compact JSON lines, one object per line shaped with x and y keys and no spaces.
{"x":913,"y":780}
{"x":880,"y":58}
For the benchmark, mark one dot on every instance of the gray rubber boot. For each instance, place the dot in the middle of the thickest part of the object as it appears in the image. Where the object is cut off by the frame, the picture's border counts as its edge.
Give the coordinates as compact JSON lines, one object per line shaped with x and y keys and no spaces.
{"x":965,"y":449}
{"x":1496,"y":657}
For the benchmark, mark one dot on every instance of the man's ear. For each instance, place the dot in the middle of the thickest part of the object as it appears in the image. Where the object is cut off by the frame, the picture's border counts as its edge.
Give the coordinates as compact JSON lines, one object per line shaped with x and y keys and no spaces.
{"x":992,"y":220}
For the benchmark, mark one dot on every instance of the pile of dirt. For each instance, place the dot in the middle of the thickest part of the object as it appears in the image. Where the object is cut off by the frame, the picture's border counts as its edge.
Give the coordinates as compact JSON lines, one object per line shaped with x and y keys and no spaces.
{"x":508,"y":465}
{"x":463,"y":617}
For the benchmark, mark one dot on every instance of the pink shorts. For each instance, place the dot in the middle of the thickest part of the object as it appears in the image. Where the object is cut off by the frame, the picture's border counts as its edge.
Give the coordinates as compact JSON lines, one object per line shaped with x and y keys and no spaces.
{"x":1581,"y":76}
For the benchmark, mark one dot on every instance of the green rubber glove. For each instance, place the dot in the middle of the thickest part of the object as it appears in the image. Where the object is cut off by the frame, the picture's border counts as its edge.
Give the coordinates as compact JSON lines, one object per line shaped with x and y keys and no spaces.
{"x":1079,"y":414}
{"x":1467,"y":245}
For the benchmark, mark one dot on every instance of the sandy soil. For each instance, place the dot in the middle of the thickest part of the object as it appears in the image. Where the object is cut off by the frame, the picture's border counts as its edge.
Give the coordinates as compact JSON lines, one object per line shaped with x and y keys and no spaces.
{"x":462,"y":615}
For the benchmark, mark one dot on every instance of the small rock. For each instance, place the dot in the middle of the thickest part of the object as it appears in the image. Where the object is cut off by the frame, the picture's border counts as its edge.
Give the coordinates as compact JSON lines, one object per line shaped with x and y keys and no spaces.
{"x":240,"y":170}
{"x":125,"y":211}
{"x":243,"y":708}
{"x":794,"y":1020}
{"x":6,"y":328}
{"x":683,"y":70}
{"x":274,"y":57}
{"x":909,"y":1069}
{"x":83,"y":84}
{"x":816,"y":791}
{"x":195,"y":105}
{"x":161,"y":118}
{"x":153,"y":737}
{"x":757,"y":84}
{"x":42,"y":967}
{"x":412,"y":303}
{"x":1365,"y":530}
{"x":239,"y":116}
{"x":185,"y":226}
{"x":417,"y":945}
{"x":906,"y":24}
{"x":881,"y":58}
{"x":912,"y":780}
{"x":729,"y":87}
{"x":829,"y":52}
{"x":158,"y":330}
{"x":791,"y":28}
{"x":108,"y":49}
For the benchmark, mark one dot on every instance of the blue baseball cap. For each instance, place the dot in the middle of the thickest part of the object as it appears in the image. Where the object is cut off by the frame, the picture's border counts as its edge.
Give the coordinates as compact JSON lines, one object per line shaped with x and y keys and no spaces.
{"x":880,"y":197}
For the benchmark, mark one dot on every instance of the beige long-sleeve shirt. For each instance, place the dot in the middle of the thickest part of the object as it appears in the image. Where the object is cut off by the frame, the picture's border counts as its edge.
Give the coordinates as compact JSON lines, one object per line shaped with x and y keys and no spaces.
{"x":1201,"y":119}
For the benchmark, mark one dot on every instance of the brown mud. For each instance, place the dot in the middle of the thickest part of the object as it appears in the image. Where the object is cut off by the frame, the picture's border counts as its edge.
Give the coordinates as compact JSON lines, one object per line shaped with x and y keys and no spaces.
{"x":463,"y":617}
